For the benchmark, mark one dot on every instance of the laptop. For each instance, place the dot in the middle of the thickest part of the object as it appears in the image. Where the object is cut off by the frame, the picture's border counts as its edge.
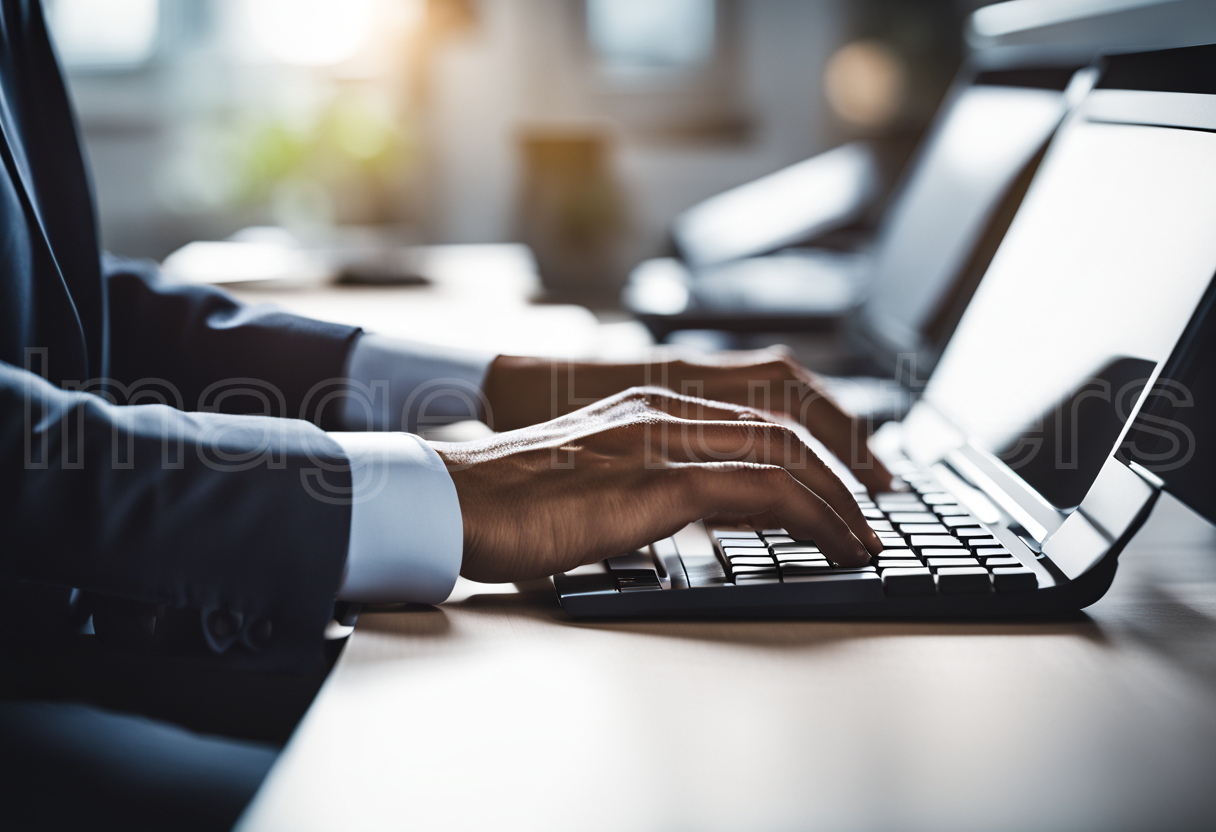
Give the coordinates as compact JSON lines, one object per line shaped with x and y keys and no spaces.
{"x":997,"y":116}
{"x":1022,"y":490}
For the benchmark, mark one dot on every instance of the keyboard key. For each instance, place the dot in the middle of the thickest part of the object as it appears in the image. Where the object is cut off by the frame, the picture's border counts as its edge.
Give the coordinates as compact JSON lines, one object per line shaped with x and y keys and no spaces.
{"x":841,"y":570}
{"x":799,"y":554}
{"x":899,"y":563}
{"x":767,"y":532}
{"x":817,"y":567}
{"x":930,"y":541}
{"x":945,"y":553}
{"x":949,"y":511}
{"x":733,"y":534}
{"x":638,"y":583}
{"x":847,"y":587}
{"x":991,"y":551}
{"x":898,"y":545}
{"x":881,"y":526}
{"x":971,"y":531}
{"x":773,"y":540}
{"x":899,"y":502}
{"x":769,"y":569}
{"x":912,"y":517}
{"x":703,"y":570}
{"x":993,"y":563}
{"x":940,"y":498}
{"x":902,"y":582}
{"x":923,"y":528}
{"x":757,"y":578}
{"x":802,"y":559}
{"x":872,"y":513}
{"x":751,"y":560}
{"x":911,"y":504}
{"x":951,"y":562}
{"x":795,"y":547}
{"x":1018,"y":579}
{"x":743,"y":544}
{"x":983,"y":542}
{"x":963,"y":581}
{"x":957,"y":520}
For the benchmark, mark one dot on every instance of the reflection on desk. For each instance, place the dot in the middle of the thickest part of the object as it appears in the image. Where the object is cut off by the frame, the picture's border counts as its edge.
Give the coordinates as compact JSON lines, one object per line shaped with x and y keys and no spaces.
{"x":495,"y":711}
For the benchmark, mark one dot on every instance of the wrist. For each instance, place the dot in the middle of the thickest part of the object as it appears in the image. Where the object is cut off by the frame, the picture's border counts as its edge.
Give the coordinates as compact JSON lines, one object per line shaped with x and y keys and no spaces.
{"x":516,"y":392}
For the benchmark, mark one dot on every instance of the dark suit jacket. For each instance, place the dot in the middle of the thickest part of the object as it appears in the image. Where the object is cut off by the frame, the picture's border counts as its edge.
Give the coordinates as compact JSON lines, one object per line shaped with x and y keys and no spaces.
{"x":238,"y":520}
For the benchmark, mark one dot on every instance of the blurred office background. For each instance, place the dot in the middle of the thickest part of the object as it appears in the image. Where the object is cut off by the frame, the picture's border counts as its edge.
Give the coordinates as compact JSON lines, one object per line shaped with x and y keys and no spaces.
{"x":581,"y":127}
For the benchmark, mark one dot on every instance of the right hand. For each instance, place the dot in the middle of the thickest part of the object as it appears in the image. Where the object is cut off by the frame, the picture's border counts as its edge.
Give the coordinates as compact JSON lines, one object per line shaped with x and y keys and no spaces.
{"x":634,"y":468}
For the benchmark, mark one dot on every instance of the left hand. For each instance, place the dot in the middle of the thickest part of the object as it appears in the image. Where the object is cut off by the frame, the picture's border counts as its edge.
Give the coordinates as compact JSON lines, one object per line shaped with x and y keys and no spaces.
{"x":527,"y":391}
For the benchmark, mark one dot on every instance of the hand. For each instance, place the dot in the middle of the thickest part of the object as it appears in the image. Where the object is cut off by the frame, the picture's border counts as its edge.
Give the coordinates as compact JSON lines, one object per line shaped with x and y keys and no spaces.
{"x":526,"y":391}
{"x":634,"y":468}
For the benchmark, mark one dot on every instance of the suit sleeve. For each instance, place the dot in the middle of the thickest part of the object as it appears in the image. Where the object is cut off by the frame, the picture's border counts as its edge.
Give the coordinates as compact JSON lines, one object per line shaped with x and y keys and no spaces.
{"x":240,"y":521}
{"x":220,"y":355}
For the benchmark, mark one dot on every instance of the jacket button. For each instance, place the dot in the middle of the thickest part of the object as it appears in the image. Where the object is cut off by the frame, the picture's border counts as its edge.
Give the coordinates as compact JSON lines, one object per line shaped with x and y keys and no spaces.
{"x":258,"y":633}
{"x":222,"y":625}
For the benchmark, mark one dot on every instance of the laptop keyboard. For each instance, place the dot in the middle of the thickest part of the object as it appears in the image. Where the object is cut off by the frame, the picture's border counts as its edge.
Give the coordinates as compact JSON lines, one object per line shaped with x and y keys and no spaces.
{"x":931,"y":544}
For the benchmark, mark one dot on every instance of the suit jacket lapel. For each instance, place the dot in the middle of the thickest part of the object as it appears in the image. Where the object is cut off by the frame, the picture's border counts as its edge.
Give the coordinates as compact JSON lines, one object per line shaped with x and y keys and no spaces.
{"x":14,"y":159}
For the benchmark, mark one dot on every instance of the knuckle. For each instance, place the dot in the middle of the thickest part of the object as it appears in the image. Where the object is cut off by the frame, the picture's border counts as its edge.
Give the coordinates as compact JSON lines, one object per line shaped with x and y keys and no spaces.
{"x":648,"y":395}
{"x":775,"y":434}
{"x":750,"y":414}
{"x":631,"y":426}
{"x":773,"y":476}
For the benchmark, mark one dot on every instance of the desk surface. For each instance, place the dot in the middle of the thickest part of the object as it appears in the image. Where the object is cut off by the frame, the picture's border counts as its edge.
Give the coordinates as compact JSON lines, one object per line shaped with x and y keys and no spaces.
{"x":495,"y":711}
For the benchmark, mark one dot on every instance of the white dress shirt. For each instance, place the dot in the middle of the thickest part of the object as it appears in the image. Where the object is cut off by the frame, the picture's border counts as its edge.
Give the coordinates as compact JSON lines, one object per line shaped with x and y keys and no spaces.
{"x":406,"y":530}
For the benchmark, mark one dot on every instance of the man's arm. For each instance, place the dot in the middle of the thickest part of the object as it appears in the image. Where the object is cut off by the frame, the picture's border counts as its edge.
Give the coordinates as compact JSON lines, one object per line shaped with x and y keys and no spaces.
{"x":243,"y":520}
{"x":218,"y":354}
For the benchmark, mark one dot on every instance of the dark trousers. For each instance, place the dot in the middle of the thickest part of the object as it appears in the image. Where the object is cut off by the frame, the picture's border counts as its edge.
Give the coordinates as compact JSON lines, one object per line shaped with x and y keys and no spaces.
{"x":71,"y":766}
{"x":93,"y":738}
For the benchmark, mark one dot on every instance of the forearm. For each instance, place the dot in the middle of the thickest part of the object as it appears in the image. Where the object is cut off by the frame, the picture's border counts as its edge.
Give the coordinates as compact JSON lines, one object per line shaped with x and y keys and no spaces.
{"x":208,"y":512}
{"x":213,"y":353}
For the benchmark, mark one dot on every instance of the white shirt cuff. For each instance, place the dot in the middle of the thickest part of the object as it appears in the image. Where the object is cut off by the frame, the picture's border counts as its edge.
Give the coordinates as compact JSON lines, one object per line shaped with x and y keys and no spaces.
{"x":395,"y":384}
{"x":406,"y":531}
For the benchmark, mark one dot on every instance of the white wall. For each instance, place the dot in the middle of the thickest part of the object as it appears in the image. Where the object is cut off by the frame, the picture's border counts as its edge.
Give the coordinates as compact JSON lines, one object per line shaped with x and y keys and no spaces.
{"x":521,"y":68}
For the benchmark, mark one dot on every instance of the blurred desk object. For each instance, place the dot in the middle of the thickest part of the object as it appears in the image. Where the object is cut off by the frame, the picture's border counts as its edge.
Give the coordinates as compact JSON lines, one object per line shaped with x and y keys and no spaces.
{"x":476,"y":297}
{"x":495,"y":711}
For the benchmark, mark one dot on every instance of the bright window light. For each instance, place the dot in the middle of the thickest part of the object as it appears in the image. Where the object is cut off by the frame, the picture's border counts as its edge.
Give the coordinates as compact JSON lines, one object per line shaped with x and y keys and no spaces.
{"x":651,"y":34}
{"x":104,"y":32}
{"x":311,"y":32}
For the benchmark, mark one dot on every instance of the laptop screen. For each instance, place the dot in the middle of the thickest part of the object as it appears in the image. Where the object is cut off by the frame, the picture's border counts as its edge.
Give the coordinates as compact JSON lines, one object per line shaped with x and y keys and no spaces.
{"x":984,"y":139}
{"x":1111,"y":251}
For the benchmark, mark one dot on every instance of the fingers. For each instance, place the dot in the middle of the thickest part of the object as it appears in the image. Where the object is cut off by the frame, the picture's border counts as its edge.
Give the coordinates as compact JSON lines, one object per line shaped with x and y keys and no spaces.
{"x":846,"y":437}
{"x":773,"y":380}
{"x":771,"y":444}
{"x":732,"y":433}
{"x":754,"y":489}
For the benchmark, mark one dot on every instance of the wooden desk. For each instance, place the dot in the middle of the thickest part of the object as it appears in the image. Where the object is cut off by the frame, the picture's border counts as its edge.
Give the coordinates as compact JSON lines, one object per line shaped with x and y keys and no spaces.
{"x":497,"y":712}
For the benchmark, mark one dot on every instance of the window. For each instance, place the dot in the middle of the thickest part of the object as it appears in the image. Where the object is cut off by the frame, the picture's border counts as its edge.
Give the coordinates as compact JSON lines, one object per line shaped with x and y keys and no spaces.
{"x":651,"y":35}
{"x":104,"y":33}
